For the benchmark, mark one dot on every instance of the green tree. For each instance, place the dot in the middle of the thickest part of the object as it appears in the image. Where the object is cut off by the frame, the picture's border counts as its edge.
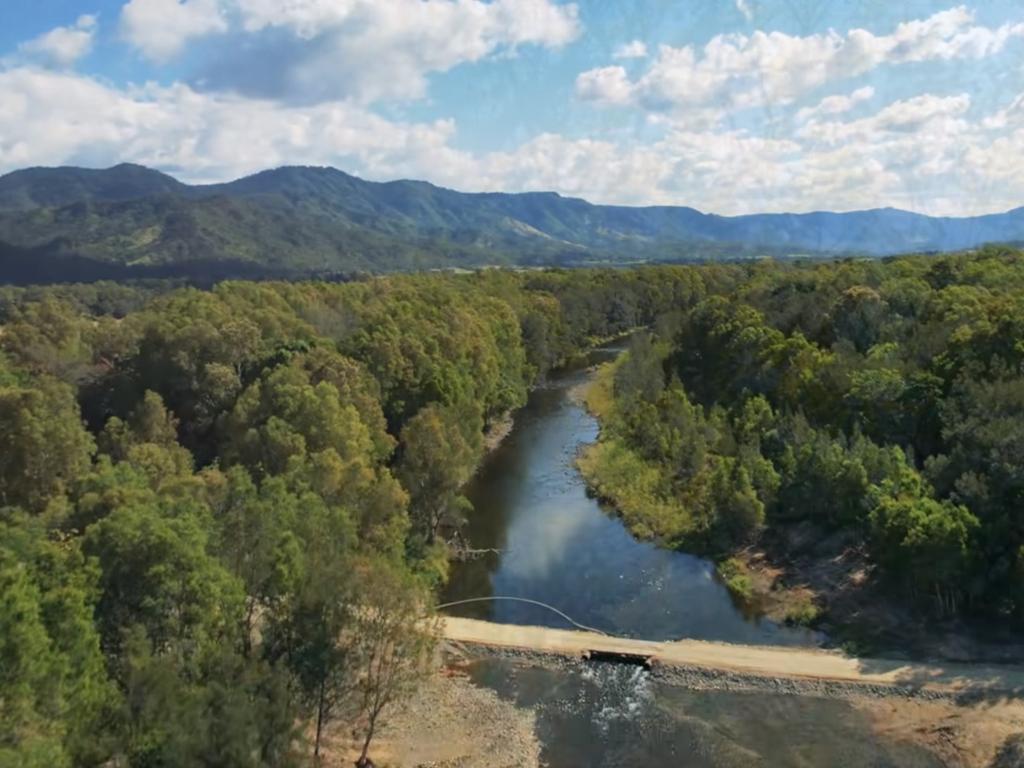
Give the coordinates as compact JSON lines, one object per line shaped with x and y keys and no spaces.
{"x":737,"y":511}
{"x":46,"y":445}
{"x":58,"y":703}
{"x":927,"y":542}
{"x":440,"y":448}
{"x":31,"y":708}
{"x":156,"y":572}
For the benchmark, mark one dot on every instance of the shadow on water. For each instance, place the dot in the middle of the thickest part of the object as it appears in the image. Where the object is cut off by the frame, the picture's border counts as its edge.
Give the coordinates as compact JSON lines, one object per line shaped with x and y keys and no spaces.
{"x":613,"y":715}
{"x":557,"y":545}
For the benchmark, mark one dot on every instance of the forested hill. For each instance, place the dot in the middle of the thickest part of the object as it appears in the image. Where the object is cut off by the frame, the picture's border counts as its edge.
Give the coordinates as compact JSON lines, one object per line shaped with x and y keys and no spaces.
{"x":133,"y":221}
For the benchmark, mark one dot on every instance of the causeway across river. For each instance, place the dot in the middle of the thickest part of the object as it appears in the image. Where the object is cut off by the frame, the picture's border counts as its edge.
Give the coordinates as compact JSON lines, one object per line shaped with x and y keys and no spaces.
{"x":800,"y":665}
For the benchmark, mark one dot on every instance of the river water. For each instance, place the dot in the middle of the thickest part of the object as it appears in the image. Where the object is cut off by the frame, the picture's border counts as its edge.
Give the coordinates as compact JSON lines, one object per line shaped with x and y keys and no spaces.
{"x":556,"y":544}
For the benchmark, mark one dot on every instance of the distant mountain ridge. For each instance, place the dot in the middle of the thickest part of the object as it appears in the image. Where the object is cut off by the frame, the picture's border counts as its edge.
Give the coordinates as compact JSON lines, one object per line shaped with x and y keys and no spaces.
{"x":298,"y":219}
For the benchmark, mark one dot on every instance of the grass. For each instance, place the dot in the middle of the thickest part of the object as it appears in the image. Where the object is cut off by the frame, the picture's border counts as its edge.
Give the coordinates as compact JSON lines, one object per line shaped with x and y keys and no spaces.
{"x":617,"y":474}
{"x":600,"y":396}
{"x":802,"y":611}
{"x":737,"y":579}
{"x":636,"y":490}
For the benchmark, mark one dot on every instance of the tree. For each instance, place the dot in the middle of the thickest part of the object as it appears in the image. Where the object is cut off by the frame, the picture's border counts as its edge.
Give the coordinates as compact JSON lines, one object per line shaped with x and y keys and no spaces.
{"x":640,"y":373}
{"x":927,"y":542}
{"x":156,"y":572}
{"x":309,"y":630}
{"x":257,"y":540}
{"x":46,"y":446}
{"x":440,"y":448}
{"x":149,"y":440}
{"x":859,"y":315}
{"x":393,"y":642}
{"x":285,"y":425}
{"x":232,"y":711}
{"x":31,"y":707}
{"x":57,"y":704}
{"x":738,"y":512}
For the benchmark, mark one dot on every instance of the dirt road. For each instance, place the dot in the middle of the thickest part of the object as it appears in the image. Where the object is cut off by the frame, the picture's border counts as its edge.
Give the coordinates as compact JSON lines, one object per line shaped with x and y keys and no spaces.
{"x":796,"y":664}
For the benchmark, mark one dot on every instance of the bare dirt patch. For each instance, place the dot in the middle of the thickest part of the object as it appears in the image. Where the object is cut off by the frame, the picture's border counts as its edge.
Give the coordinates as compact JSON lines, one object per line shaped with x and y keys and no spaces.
{"x":974,"y":736}
{"x":801,"y":565}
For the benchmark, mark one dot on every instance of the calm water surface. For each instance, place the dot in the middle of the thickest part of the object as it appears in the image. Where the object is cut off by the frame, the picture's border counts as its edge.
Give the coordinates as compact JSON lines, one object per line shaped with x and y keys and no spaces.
{"x":559,"y":546}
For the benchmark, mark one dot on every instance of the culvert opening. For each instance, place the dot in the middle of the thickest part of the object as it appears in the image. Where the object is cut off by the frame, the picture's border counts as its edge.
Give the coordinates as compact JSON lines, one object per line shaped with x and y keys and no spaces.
{"x":619,"y":657}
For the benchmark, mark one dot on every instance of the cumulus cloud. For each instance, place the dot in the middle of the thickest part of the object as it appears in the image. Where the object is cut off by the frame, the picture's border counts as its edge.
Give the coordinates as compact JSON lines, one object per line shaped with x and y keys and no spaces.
{"x":607,"y":85}
{"x":836,"y":105}
{"x":311,"y":51}
{"x":739,"y":71}
{"x":53,"y":117}
{"x":632,"y":50}
{"x":921,"y":154}
{"x":914,"y":115}
{"x":62,"y":46}
{"x":925,"y":153}
{"x":160,"y":29}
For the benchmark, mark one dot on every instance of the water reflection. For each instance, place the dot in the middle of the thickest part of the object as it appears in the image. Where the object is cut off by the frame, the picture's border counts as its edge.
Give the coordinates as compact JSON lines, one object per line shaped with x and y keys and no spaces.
{"x":558,"y":546}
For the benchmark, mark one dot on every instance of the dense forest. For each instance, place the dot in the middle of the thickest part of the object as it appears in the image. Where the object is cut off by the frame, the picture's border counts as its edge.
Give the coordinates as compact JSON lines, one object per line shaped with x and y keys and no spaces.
{"x":225,"y":512}
{"x":880,"y":399}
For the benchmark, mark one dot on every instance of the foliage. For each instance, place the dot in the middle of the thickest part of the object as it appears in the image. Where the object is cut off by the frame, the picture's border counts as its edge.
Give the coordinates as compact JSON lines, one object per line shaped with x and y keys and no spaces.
{"x":882,"y":398}
{"x":213,"y":498}
{"x":736,"y":577}
{"x":223,"y":507}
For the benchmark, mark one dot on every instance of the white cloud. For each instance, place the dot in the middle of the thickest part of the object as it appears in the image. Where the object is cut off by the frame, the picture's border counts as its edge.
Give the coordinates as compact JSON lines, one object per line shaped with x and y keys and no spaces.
{"x":160,"y":29}
{"x":1012,"y":115}
{"x":321,"y":50}
{"x":907,"y":116}
{"x":474,"y":26}
{"x":743,"y":6}
{"x":62,"y":46}
{"x":921,"y":153}
{"x":836,"y":105}
{"x":635,"y":49}
{"x":736,"y":71}
{"x":924,"y":153}
{"x":51,"y":117}
{"x":608,"y":85}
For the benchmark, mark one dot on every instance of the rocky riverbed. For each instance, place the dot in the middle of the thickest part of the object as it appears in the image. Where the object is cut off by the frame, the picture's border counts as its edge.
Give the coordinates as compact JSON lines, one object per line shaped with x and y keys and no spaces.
{"x":449,"y":723}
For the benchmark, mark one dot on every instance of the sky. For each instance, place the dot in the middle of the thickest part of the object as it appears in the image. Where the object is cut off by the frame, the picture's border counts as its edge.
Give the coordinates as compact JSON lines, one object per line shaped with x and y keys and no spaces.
{"x":728,"y":106}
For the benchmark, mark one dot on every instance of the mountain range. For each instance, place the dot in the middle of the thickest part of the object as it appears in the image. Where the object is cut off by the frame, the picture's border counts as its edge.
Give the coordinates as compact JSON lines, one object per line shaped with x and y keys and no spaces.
{"x":75,"y":223}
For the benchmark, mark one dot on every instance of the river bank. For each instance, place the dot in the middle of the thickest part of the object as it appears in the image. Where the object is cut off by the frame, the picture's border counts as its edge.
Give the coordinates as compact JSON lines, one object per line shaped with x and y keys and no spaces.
{"x":796,"y":565}
{"x":794,"y":573}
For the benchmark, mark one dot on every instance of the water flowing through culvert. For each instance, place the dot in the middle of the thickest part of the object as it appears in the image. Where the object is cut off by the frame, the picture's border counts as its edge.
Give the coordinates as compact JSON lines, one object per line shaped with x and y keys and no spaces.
{"x":624,"y":694}
{"x":554,"y":544}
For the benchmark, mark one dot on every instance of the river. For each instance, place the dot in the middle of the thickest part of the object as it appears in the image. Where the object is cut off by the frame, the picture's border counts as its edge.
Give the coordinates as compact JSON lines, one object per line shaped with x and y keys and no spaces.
{"x":556,"y":544}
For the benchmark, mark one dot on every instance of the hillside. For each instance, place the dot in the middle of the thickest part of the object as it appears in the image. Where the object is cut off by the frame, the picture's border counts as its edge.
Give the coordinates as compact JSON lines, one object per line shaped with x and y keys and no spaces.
{"x":302,"y":220}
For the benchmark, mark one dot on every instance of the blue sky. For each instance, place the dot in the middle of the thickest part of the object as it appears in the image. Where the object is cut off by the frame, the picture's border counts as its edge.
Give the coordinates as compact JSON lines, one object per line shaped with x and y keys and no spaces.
{"x":731,"y":106}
